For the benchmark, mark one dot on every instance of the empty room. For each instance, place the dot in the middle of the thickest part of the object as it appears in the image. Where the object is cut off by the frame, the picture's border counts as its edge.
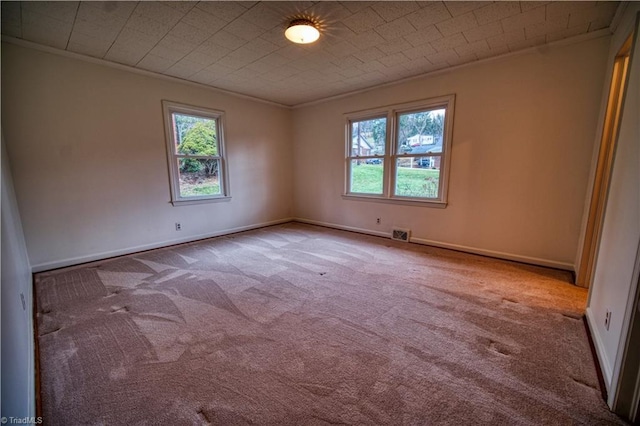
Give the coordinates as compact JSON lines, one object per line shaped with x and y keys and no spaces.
{"x":320,"y":212}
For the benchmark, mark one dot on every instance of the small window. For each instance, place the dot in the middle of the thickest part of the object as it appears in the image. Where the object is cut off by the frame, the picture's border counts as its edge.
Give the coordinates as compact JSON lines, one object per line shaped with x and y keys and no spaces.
{"x":195,"y":152}
{"x":419,"y":153}
{"x":368,"y":146}
{"x":409,"y":164}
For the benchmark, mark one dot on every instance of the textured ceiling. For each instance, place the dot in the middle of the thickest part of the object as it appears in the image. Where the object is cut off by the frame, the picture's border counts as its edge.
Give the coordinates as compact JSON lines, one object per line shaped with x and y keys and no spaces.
{"x":240,"y":46}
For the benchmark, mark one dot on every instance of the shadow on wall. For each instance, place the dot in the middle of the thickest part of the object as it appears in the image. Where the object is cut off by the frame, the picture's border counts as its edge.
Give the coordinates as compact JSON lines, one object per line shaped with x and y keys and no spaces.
{"x":18,"y":389}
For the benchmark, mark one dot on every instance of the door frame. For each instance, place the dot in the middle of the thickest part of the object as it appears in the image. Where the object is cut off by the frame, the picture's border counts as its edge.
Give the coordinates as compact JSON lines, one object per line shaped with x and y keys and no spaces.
{"x":604,"y":165}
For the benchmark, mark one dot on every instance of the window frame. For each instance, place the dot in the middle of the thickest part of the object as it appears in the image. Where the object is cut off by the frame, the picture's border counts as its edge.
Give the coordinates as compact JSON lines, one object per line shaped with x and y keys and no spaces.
{"x":391,"y":155}
{"x":169,"y":108}
{"x":357,"y":117}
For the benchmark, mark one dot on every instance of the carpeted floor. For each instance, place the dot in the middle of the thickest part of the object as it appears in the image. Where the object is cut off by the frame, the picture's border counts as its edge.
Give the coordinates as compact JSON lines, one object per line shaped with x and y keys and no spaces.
{"x":302,"y":325}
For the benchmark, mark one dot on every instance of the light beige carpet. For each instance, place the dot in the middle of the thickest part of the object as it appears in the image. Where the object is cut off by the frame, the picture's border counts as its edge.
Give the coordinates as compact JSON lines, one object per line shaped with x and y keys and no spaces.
{"x":303,"y":325}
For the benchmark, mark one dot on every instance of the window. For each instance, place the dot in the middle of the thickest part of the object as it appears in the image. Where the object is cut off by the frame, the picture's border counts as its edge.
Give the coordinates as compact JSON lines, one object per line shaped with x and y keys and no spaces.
{"x":400,"y":153}
{"x":368,"y":146}
{"x":195,"y":151}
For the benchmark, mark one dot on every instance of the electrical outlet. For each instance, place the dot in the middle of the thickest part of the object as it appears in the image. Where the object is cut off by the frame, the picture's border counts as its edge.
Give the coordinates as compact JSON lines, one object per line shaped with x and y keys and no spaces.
{"x":607,"y":320}
{"x":378,"y":221}
{"x":178,"y":226}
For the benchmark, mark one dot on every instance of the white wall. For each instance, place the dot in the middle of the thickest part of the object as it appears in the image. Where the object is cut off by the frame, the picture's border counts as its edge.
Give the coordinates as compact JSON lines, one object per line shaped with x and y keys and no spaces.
{"x":87,"y":147}
{"x":18,"y":396}
{"x":522,"y":141}
{"x":88,"y":156}
{"x":612,"y":284}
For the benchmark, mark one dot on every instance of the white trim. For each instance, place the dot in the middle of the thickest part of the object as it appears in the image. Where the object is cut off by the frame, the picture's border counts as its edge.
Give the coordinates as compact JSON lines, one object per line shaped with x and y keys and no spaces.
{"x":625,"y":345}
{"x":31,"y":385}
{"x":497,"y":254}
{"x":185,"y":201}
{"x":130,"y":250}
{"x":406,"y":201}
{"x":371,"y":115}
{"x":343,"y":227}
{"x":473,"y":250}
{"x":122,"y":67}
{"x":168,"y":109}
{"x":392,"y":154}
{"x":605,"y":366}
{"x":22,"y":281}
{"x":617,"y":17}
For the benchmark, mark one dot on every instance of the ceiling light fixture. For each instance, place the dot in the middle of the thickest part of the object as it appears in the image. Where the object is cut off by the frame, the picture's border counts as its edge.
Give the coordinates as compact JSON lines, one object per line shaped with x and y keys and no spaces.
{"x":302,"y":31}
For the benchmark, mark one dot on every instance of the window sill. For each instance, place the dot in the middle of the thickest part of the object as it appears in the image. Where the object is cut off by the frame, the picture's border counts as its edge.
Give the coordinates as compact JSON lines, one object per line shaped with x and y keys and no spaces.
{"x":187,"y":202}
{"x":397,"y":200}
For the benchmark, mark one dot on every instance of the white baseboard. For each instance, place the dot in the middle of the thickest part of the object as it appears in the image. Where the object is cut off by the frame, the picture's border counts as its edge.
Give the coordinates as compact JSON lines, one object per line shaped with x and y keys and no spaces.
{"x":605,"y":366}
{"x":343,"y":227}
{"x":474,"y":250}
{"x":129,"y":250}
{"x":497,"y":254}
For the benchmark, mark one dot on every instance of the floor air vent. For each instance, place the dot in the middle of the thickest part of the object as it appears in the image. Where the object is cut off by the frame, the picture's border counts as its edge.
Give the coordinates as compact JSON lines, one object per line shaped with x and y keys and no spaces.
{"x":400,"y":235}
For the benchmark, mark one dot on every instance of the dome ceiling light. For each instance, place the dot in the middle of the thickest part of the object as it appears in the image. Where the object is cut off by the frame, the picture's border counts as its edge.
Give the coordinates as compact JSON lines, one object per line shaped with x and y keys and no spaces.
{"x":302,"y":31}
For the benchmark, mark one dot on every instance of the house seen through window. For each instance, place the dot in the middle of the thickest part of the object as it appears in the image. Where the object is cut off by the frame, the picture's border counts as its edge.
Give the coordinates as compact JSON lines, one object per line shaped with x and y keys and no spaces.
{"x":368,"y":146}
{"x":195,"y":152}
{"x":407,"y":163}
{"x":420,"y":136}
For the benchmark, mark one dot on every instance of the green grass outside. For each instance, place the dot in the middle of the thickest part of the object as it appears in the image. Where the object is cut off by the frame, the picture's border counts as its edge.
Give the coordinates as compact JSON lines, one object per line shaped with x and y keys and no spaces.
{"x":193,"y":187}
{"x":417,"y":182}
{"x":366,"y":178}
{"x":202,"y":189}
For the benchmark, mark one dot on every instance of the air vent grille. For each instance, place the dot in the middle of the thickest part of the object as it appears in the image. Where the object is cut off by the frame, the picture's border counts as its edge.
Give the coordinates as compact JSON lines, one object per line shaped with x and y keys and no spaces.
{"x":400,"y":235}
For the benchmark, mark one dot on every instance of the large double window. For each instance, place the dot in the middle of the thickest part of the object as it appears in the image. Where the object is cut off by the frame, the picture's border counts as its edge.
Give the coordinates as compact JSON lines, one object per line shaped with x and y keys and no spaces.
{"x":195,"y":151}
{"x":400,"y":152}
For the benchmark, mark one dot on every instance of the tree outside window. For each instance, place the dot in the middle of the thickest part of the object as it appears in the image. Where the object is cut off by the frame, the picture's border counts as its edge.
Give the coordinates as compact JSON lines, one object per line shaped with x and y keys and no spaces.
{"x":195,"y":153}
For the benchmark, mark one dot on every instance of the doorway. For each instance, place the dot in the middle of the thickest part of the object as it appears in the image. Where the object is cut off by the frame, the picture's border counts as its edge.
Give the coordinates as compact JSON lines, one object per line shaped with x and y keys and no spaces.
{"x":604,"y":165}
